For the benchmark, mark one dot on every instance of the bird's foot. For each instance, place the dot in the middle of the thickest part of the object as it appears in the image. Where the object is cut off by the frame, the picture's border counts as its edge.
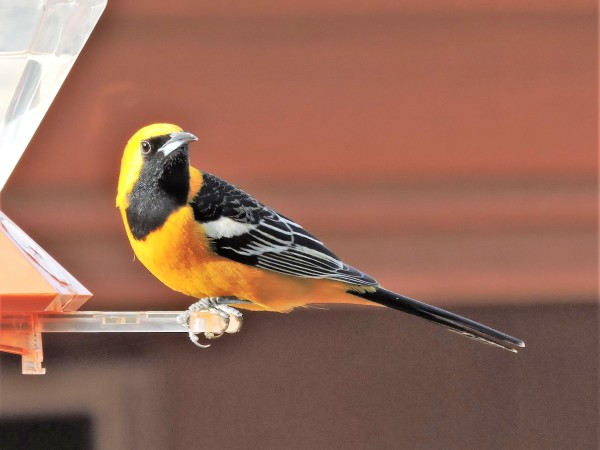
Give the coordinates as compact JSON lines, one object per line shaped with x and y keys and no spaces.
{"x":220,"y":307}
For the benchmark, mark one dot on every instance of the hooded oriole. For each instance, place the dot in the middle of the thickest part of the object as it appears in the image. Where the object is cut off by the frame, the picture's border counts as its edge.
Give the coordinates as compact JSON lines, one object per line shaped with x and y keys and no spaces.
{"x":204,"y":237}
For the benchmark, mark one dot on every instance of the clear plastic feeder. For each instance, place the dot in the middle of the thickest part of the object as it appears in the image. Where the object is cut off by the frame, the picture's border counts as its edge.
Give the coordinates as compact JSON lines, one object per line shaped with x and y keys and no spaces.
{"x":39,"y":43}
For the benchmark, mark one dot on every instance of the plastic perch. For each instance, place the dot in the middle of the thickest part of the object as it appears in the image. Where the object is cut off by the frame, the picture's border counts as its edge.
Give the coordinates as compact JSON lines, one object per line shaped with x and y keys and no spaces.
{"x":21,"y":333}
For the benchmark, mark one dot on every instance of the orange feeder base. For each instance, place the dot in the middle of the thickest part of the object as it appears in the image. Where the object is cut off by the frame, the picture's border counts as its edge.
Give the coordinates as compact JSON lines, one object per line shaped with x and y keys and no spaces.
{"x":38,"y":295}
{"x":31,"y":282}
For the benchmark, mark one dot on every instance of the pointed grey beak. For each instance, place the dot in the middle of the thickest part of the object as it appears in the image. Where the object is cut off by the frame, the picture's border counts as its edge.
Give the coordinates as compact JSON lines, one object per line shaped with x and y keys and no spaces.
{"x":177,"y":140}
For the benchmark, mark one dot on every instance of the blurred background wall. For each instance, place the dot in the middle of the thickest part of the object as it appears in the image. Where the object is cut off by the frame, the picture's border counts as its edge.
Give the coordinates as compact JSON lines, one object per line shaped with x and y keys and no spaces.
{"x":448,"y":148}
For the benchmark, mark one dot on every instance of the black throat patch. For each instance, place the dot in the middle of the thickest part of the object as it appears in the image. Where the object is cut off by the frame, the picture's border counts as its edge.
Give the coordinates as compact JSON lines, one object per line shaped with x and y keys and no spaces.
{"x":161,"y":189}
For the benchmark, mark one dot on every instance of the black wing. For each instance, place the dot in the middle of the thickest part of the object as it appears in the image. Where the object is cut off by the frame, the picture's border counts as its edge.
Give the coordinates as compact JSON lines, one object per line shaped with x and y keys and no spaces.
{"x":244,"y":230}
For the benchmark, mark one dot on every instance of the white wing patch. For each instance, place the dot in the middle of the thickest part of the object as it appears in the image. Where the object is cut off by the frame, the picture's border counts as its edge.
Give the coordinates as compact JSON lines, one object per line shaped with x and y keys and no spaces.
{"x":225,"y":227}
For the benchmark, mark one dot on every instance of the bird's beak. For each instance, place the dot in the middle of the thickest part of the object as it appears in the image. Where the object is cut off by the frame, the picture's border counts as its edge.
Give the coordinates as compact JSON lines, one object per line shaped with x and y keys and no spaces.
{"x":177,"y":140}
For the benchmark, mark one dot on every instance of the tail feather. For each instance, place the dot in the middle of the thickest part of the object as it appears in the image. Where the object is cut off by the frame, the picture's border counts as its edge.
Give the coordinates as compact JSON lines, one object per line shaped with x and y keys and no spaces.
{"x":451,"y":321}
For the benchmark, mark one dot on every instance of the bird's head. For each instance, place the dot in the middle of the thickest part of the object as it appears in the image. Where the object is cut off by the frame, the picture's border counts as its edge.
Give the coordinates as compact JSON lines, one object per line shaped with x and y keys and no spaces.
{"x":157,"y":155}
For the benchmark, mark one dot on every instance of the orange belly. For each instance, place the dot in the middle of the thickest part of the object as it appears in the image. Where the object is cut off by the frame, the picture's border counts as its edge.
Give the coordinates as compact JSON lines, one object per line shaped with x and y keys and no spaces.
{"x":178,"y":254}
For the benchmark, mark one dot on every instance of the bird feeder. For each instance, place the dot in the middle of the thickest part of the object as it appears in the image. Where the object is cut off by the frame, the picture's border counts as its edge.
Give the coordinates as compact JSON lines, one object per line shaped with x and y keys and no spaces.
{"x":39,"y":43}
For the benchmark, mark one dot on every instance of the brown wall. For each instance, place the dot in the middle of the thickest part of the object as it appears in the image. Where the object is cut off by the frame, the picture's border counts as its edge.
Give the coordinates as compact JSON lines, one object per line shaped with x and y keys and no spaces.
{"x":451,"y":154}
{"x":328,"y":379}
{"x":448,"y":148}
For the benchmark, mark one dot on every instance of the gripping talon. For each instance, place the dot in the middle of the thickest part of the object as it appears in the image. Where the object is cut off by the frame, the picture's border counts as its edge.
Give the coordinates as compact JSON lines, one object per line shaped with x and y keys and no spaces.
{"x":214,"y":305}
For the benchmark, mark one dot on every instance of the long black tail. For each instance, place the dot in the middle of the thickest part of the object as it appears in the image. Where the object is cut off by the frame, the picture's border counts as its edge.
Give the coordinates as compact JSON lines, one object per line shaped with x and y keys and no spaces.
{"x":453,"y":322}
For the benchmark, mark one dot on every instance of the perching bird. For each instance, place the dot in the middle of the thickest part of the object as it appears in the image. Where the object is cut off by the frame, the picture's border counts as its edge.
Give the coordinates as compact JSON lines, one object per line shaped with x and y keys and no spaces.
{"x":206,"y":238}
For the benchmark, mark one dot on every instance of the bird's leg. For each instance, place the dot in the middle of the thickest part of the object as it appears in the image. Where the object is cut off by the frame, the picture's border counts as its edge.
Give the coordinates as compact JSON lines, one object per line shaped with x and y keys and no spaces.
{"x":215,"y":305}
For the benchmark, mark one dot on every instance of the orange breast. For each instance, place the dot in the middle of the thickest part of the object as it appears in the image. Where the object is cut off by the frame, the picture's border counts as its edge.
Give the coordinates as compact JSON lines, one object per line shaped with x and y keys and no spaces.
{"x":178,"y":254}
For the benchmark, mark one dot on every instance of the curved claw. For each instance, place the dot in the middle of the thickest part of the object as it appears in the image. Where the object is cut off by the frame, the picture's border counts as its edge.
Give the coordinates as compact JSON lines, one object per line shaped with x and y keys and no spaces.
{"x":215,"y":305}
{"x":196,"y":340}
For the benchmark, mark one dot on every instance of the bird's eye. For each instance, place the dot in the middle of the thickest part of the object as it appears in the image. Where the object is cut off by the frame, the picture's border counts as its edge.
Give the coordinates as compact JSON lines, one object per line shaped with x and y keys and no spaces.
{"x":145,"y":147}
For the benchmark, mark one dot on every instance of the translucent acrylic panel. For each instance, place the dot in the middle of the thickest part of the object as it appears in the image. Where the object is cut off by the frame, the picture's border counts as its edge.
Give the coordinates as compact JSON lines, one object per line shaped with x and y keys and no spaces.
{"x":39,"y":42}
{"x":30,"y":279}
